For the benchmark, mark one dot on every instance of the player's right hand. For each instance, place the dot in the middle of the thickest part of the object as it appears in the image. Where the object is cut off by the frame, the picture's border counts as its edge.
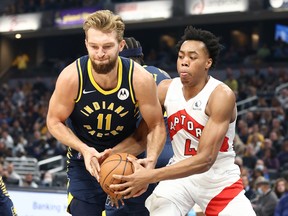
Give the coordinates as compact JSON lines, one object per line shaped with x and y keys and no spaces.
{"x":93,"y":159}
{"x":135,"y":184}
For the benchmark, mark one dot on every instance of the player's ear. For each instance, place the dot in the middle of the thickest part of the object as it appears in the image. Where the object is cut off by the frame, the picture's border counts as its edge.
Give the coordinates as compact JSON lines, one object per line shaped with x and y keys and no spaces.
{"x":121,"y":45}
{"x":208,"y":63}
{"x":86,"y":43}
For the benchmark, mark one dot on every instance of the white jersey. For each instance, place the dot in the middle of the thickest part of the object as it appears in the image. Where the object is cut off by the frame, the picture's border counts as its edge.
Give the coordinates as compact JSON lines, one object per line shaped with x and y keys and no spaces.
{"x":187,"y":119}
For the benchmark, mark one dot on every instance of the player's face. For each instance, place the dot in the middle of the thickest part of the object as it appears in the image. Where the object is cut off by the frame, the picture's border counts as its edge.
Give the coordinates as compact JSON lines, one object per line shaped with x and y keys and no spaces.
{"x":193,"y":62}
{"x":103,"y":49}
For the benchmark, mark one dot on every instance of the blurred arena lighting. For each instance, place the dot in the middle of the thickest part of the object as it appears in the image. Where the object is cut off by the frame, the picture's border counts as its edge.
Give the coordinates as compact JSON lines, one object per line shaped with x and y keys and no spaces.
{"x":18,"y":36}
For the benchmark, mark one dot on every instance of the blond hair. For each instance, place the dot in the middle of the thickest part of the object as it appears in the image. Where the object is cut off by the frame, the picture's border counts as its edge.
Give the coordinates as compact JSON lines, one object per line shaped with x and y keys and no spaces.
{"x":106,"y":21}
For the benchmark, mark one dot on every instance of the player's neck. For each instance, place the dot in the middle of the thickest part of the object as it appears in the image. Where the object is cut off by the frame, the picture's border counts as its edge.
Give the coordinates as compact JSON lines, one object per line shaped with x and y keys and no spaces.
{"x":106,"y":81}
{"x":191,"y":91}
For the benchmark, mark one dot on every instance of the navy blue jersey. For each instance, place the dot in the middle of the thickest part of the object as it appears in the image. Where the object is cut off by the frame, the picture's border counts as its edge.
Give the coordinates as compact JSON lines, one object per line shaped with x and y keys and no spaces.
{"x":157,"y":73}
{"x":6,"y":205}
{"x":103,"y":118}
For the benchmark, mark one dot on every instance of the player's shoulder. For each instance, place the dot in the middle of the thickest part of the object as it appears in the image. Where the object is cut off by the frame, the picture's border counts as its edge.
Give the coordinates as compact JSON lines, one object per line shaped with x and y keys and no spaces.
{"x":223,"y":93}
{"x":164,"y":84}
{"x":156,"y":70}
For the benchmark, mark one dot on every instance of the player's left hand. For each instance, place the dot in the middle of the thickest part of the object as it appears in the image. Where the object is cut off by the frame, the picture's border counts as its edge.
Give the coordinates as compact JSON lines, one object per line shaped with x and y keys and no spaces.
{"x":135,"y":184}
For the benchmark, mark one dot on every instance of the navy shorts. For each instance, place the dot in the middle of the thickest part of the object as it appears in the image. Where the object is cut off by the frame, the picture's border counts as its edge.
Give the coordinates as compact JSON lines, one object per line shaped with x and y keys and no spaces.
{"x":133,"y":206}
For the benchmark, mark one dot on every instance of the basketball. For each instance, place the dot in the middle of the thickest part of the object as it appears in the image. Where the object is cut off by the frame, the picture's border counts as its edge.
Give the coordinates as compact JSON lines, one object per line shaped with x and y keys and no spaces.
{"x":114,"y":164}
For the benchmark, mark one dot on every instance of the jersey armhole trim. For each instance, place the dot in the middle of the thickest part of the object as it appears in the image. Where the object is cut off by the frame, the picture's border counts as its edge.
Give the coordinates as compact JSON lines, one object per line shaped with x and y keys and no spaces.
{"x":80,"y":80}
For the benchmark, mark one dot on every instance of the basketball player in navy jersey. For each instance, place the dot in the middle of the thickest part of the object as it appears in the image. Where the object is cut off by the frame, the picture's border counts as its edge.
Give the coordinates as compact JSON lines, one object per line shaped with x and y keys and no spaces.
{"x":96,"y":105}
{"x":133,"y":206}
{"x":6,"y":204}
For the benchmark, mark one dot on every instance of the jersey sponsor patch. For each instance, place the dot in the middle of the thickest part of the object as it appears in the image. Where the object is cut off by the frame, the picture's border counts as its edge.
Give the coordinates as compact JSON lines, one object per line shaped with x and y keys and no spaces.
{"x":123,"y":94}
{"x":197,"y":105}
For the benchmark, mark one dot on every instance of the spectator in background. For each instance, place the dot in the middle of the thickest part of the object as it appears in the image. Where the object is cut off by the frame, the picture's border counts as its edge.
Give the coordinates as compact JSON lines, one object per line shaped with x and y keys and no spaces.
{"x":283,"y":98}
{"x":256,"y":139}
{"x":243,"y":131}
{"x":282,"y":206}
{"x":283,"y":154}
{"x":231,"y":81}
{"x":21,"y":62}
{"x":265,"y":203}
{"x":47,"y":179}
{"x":276,"y":139}
{"x":267,"y":144}
{"x":7,"y":139}
{"x":264,"y":53}
{"x":260,"y":166}
{"x":249,"y":158}
{"x":270,"y":159}
{"x":12,"y":176}
{"x":249,"y":191}
{"x":28,"y":181}
{"x":280,"y":187}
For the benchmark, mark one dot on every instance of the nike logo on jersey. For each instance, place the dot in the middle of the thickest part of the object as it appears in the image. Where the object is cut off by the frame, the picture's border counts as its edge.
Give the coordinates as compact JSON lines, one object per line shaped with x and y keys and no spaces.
{"x":88,"y":92}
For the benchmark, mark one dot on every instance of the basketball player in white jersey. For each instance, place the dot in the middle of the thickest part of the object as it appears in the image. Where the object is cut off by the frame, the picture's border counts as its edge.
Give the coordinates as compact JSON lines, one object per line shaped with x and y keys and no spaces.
{"x":201,"y":119}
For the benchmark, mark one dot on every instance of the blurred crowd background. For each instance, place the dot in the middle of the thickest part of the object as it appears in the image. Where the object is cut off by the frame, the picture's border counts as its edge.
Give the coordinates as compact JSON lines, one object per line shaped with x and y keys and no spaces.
{"x":253,"y":63}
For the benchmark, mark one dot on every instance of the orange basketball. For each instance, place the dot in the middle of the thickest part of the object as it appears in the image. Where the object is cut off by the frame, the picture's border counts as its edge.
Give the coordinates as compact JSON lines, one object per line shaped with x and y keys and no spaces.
{"x":115,"y":164}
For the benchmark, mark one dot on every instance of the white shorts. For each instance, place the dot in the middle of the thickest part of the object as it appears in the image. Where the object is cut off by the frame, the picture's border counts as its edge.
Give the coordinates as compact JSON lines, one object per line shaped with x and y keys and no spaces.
{"x":219,"y":191}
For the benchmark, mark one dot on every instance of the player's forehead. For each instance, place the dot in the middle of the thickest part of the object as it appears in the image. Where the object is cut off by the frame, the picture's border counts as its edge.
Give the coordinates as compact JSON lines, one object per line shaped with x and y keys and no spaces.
{"x":192,"y":46}
{"x":96,"y":36}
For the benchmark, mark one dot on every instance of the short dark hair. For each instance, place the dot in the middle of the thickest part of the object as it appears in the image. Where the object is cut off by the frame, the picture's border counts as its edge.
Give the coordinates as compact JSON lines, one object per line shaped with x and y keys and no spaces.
{"x":209,"y":39}
{"x":133,"y":50}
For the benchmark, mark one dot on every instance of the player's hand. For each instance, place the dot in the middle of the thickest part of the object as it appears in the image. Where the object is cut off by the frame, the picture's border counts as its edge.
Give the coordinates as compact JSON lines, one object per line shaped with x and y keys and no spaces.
{"x":147,"y":163}
{"x":135,"y":184}
{"x":93,"y":160}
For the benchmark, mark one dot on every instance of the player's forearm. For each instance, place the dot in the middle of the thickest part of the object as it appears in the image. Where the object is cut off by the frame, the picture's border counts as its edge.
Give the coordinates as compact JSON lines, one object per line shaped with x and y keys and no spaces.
{"x":65,"y":136}
{"x":155,"y":143}
{"x":132,"y":145}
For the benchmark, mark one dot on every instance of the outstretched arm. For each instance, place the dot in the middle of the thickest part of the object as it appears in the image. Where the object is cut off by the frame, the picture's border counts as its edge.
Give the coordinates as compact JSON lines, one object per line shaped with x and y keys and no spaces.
{"x":151,"y":111}
{"x":136,"y":143}
{"x":221,"y":111}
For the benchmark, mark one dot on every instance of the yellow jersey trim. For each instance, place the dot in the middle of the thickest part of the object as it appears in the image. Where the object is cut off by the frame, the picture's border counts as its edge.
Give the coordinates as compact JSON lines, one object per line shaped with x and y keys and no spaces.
{"x":130,"y":82}
{"x":104,"y":92}
{"x":80,"y":74}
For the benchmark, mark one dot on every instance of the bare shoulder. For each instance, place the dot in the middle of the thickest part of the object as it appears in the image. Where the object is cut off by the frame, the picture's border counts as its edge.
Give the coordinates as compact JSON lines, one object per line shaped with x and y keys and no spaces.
{"x":141,"y":75}
{"x":222,"y":100}
{"x":223,"y":92}
{"x":164,"y":84}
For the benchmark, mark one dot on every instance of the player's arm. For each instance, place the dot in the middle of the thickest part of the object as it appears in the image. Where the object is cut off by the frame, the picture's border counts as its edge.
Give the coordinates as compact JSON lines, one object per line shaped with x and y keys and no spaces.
{"x":221,"y":111}
{"x":61,"y":105}
{"x":134,"y":144}
{"x":146,"y":94}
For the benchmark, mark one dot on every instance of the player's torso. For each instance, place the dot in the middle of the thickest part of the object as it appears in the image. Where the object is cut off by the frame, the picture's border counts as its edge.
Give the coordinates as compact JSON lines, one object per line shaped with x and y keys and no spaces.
{"x":187,"y":119}
{"x":102,"y":118}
